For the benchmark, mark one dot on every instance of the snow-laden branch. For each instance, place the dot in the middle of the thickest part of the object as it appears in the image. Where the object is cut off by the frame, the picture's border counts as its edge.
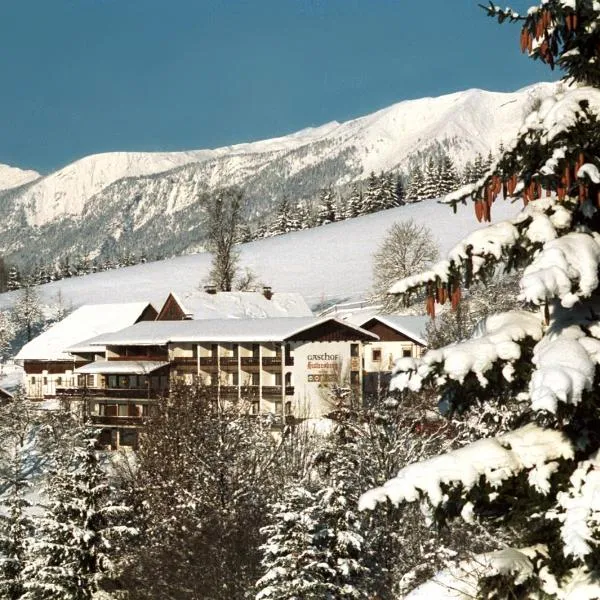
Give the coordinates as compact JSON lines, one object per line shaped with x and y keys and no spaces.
{"x":579,"y":509}
{"x":498,"y":338}
{"x":566,"y":268}
{"x":530,"y":448}
{"x":539,"y":222}
{"x":461,"y":582}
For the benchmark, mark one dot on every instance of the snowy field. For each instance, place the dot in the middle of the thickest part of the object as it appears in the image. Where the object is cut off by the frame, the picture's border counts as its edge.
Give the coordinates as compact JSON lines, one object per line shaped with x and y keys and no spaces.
{"x":331,"y":263}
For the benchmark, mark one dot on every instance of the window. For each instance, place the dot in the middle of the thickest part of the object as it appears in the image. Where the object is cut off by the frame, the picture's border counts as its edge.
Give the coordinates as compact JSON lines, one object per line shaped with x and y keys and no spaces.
{"x":354,"y":378}
{"x":59,"y":380}
{"x":112,"y":381}
{"x":288,"y":408}
{"x":406,"y":352}
{"x":354,"y":349}
{"x":123,"y":410}
{"x":45,"y":381}
{"x":255,"y":379}
{"x":376,"y":355}
{"x":235,"y":378}
{"x":288,"y":379}
{"x":277,"y":378}
{"x":33,"y":380}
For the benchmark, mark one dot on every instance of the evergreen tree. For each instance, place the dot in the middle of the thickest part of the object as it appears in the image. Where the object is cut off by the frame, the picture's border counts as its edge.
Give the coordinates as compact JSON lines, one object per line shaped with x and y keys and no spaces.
{"x":282,"y":222}
{"x":354,"y":203}
{"x":83,"y":529}
{"x":431,"y":184}
{"x":315,"y":547}
{"x":326,"y":208}
{"x":18,"y":434}
{"x":27,"y":314}
{"x":7,"y":334}
{"x":478,"y":168}
{"x":467,"y":174}
{"x":371,"y":201}
{"x":448,"y":179}
{"x":301,"y":217}
{"x":400,"y":190}
{"x":388,"y":198}
{"x":416,"y":187}
{"x":540,"y":477}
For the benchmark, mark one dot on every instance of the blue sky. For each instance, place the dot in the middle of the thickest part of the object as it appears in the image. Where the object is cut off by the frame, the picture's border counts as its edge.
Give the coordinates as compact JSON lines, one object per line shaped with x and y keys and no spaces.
{"x":86,"y":76}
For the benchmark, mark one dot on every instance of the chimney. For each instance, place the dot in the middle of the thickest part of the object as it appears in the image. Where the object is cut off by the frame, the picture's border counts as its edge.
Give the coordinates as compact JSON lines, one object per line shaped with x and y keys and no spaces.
{"x":210,"y":288}
{"x":267,"y":292}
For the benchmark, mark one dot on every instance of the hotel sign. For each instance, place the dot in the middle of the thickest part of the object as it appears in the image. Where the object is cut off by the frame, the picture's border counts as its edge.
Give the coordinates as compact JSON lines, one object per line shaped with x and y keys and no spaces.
{"x":327,"y":365}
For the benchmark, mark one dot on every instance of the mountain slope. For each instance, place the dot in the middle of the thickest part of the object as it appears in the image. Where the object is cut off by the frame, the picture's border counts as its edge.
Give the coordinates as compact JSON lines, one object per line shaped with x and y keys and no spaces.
{"x":331,"y":263}
{"x":150,"y":201}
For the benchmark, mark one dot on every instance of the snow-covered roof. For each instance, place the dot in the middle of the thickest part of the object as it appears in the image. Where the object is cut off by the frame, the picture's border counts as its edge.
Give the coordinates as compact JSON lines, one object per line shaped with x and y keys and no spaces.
{"x":412,"y":326}
{"x":242,"y":305}
{"x":82,"y":324}
{"x":122,"y":367}
{"x":159,"y":333}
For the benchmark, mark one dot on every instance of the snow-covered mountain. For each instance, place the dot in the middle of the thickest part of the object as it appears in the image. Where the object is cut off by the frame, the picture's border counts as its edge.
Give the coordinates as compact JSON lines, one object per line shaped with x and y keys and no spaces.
{"x":149,"y":201}
{"x":11,"y":177}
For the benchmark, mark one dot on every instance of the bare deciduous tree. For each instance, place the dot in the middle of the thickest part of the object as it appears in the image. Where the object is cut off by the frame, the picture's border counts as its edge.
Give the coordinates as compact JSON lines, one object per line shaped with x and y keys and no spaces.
{"x":407,"y":249}
{"x":224,"y":214}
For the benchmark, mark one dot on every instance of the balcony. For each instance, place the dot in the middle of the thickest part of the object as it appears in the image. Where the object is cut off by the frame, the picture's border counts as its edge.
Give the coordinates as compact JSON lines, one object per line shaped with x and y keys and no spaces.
{"x":208,"y":362}
{"x":113,"y":421}
{"x":78,"y":393}
{"x":271,"y":361}
{"x":141,"y":357}
{"x":185,"y":361}
{"x":250,"y":361}
{"x":229,"y":391}
{"x":228,"y":361}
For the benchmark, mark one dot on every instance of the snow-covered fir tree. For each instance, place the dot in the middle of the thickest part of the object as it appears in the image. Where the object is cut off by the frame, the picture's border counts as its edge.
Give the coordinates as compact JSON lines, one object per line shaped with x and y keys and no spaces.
{"x":315,"y":547}
{"x":388,"y":192}
{"x":84,"y":526}
{"x":282,"y":223}
{"x":371,"y":199}
{"x":326,"y":207}
{"x":19,"y":452}
{"x":431,"y":183}
{"x":447,"y":176}
{"x":415,"y":191}
{"x":541,"y":477}
{"x":27,"y":313}
{"x":354,"y":202}
{"x":7,"y":334}
{"x":400,"y":189}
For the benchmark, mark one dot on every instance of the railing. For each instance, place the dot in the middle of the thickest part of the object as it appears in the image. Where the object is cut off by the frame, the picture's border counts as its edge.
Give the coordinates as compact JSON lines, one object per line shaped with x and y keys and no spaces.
{"x":116,"y":420}
{"x":229,"y":390}
{"x":140,"y":358}
{"x":125,"y":393}
{"x":208,"y":361}
{"x":271,"y":361}
{"x":185,"y":361}
{"x":228,"y":361}
{"x":250,"y":361}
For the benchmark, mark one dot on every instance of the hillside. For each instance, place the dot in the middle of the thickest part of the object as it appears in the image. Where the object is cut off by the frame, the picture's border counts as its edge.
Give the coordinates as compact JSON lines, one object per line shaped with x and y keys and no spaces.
{"x":149,"y":202}
{"x":326,"y":264}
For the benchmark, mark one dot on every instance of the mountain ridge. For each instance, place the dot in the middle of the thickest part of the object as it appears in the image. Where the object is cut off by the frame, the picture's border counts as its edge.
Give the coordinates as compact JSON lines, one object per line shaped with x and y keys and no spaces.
{"x":149,"y":201}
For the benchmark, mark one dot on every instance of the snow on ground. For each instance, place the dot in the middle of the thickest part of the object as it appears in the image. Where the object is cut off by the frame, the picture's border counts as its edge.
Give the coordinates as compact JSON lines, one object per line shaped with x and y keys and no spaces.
{"x":327,"y":264}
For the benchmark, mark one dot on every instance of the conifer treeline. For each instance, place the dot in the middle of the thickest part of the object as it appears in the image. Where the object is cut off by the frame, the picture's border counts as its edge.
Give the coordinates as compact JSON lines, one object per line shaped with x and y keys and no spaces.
{"x":380,"y":192}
